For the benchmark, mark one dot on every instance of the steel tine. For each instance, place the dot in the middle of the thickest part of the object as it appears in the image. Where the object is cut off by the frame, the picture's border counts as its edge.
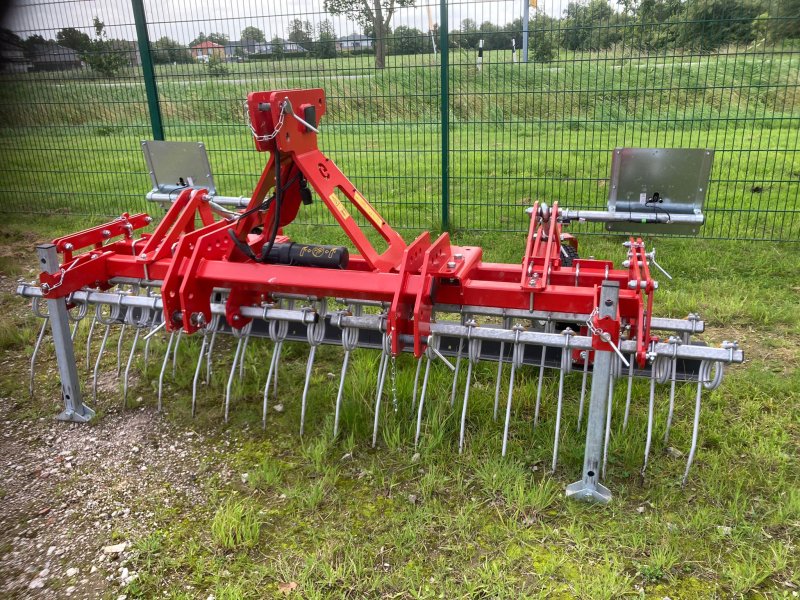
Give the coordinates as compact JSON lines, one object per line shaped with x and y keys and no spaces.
{"x":119,"y":348}
{"x":381,"y":381}
{"x":241,"y":361}
{"x":210,"y":353}
{"x":422,"y":399}
{"x":39,"y":339}
{"x":231,"y":376}
{"x":517,"y":354}
{"x":464,"y":408}
{"x":309,"y":370}
{"x":276,"y":349}
{"x":128,"y":368}
{"x":583,"y":386}
{"x":276,"y":371}
{"x":671,"y":398}
{"x":695,"y":429}
{"x":381,"y":366}
{"x":416,"y":385}
{"x":89,"y":343}
{"x":628,"y":395}
{"x":650,"y":411}
{"x":539,"y":387}
{"x":566,"y":367}
{"x":197,"y":370}
{"x":345,"y":362}
{"x":499,"y":376}
{"x":175,"y":351}
{"x":164,"y":368}
{"x":609,"y":409}
{"x":154,"y":325}
{"x":455,"y":373}
{"x":97,"y":362}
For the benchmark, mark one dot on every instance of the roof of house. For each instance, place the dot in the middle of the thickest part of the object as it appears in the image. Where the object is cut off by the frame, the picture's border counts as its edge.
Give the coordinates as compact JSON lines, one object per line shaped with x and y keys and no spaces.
{"x":207,"y":45}
{"x":355,"y":37}
{"x":54,"y":53}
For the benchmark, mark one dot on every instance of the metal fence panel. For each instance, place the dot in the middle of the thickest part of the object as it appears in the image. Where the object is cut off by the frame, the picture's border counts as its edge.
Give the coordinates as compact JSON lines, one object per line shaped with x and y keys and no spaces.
{"x":714,"y":73}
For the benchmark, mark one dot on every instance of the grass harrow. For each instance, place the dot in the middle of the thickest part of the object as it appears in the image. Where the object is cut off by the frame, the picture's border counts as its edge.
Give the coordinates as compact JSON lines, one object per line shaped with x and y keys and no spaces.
{"x":217,"y":266}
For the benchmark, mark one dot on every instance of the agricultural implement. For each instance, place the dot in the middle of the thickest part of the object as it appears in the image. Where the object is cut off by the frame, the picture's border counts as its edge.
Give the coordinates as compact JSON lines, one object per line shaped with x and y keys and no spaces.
{"x":218,"y":265}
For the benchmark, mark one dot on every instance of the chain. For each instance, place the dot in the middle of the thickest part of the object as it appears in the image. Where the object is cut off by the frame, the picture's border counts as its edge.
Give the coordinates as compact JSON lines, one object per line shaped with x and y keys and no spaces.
{"x":274,"y":134}
{"x":604,"y":335}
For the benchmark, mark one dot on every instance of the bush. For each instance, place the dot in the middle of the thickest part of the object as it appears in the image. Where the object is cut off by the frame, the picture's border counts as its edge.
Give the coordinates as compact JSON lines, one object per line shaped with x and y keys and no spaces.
{"x":216,"y":66}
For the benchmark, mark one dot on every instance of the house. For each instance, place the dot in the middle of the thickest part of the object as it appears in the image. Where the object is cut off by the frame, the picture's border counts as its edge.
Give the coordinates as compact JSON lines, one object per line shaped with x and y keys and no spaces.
{"x":288,"y":47}
{"x":12,"y":56}
{"x":129,"y":49}
{"x":242,"y":48}
{"x":52,"y":57}
{"x":354,"y":42}
{"x":205,"y":50}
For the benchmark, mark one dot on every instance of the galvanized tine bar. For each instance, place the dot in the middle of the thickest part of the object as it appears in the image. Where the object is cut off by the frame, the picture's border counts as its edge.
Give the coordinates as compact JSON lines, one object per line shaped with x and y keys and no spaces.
{"x":628,"y":395}
{"x":674,"y":341}
{"x":175,"y":352}
{"x":386,"y":351}
{"x":473,"y":355}
{"x":349,"y":343}
{"x":39,"y":339}
{"x":315,"y":333}
{"x":164,"y":368}
{"x":585,"y":355}
{"x":517,"y":354}
{"x":197,"y":370}
{"x":566,"y":367}
{"x":541,"y":381}
{"x":242,"y":334}
{"x":704,"y":380}
{"x":455,"y":374}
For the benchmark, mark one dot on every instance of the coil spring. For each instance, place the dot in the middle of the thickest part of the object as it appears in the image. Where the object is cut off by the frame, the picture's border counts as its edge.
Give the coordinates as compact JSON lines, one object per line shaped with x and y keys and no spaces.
{"x":350,"y":334}
{"x":704,"y":374}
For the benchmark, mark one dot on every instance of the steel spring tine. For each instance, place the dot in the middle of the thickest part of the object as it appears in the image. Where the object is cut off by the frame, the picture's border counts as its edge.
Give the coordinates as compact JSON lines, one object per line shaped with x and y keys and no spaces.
{"x":210,"y":353}
{"x":616,"y":371}
{"x":39,"y":339}
{"x":585,"y":355}
{"x":499,"y":376}
{"x":566,"y":367}
{"x":82,"y":309}
{"x":283,"y":331}
{"x":517,"y":354}
{"x":704,"y":380}
{"x":232,"y":373}
{"x":628,"y":395}
{"x":276,"y":350}
{"x":128,"y":368}
{"x":674,"y":341}
{"x":345,"y":362}
{"x":539,"y":387}
{"x":164,"y":368}
{"x":315,"y":334}
{"x":349,"y":343}
{"x":455,"y":373}
{"x":175,"y":352}
{"x":416,"y":385}
{"x":430,"y":352}
{"x":119,"y":348}
{"x":197,"y":370}
{"x":474,"y":353}
{"x":241,"y":361}
{"x":650,"y":411}
{"x":385,"y":353}
{"x":89,"y":344}
{"x":97,"y":362}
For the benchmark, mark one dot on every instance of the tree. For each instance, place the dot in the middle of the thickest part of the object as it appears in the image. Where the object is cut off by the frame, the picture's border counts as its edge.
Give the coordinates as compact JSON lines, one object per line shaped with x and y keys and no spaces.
{"x":494,"y":38}
{"x":74,"y":39}
{"x":276,"y":48}
{"x":586,"y":26}
{"x":300,"y":32}
{"x":103,"y":55}
{"x":217,"y":38}
{"x":407,"y":40}
{"x":253,"y":34}
{"x":167,"y":51}
{"x":713,"y":23}
{"x":374,"y":14}
{"x":325,"y":46}
{"x":469,"y":34}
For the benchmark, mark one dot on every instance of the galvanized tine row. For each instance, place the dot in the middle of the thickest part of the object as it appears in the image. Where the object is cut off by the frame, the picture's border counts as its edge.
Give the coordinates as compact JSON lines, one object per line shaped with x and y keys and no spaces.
{"x":241,"y":335}
{"x":278,"y":330}
{"x":473,"y":355}
{"x":349,"y":343}
{"x":315,"y":334}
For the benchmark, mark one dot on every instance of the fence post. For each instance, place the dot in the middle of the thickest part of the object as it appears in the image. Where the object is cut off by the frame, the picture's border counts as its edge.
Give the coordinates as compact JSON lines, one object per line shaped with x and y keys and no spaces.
{"x":445,"y":114}
{"x":147,"y":69}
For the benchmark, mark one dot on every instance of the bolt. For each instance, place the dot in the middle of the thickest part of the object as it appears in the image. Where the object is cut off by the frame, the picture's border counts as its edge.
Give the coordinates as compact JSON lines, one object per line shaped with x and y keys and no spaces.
{"x":68,"y":247}
{"x":458,"y":256}
{"x":106,"y":233}
{"x":198,"y":319}
{"x":148,"y":220}
{"x":609,"y":302}
{"x":237,"y":318}
{"x":451,"y":264}
{"x":45,"y":288}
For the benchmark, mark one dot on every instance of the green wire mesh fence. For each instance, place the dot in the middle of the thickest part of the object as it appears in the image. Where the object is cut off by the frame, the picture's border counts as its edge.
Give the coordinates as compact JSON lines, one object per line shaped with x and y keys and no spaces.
{"x":459,"y":126}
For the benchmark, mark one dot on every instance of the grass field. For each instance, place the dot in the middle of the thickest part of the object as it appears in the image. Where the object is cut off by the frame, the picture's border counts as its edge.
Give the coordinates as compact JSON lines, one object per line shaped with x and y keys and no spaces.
{"x":380,"y":523}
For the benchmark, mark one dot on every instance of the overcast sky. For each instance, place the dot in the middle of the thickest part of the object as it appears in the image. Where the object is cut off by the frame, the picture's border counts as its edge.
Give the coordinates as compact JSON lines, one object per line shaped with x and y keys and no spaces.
{"x":184,"y":19}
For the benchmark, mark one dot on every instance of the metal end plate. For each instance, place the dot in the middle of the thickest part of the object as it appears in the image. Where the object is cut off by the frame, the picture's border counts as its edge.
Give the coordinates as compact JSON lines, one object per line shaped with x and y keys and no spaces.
{"x":169,"y":163}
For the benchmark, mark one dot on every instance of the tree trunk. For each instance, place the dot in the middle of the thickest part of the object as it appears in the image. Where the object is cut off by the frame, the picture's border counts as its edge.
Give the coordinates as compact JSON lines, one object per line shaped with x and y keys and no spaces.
{"x":380,"y":37}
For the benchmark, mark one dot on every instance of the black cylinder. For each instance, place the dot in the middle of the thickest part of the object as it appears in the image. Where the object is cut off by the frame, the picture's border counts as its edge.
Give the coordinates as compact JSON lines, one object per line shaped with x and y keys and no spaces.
{"x":309,"y":255}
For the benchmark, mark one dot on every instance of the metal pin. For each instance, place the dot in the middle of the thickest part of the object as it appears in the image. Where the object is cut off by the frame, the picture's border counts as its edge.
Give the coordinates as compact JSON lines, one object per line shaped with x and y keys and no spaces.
{"x":499,"y":376}
{"x":97,"y":362}
{"x":422,"y":399}
{"x":128,"y":368}
{"x":345,"y":362}
{"x":164,"y":368}
{"x":455,"y":375}
{"x":39,"y":339}
{"x":628,"y":396}
{"x":583,"y":387}
{"x":231,"y":375}
{"x":539,"y":387}
{"x":197,"y":370}
{"x":309,"y":370}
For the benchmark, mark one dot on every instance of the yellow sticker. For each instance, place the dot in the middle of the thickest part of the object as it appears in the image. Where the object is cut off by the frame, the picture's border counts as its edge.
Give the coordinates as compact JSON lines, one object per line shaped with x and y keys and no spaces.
{"x":367,"y":208}
{"x":339,"y":206}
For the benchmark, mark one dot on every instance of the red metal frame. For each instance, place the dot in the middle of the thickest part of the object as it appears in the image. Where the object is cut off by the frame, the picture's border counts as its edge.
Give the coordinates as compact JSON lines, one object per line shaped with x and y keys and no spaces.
{"x":192,"y":261}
